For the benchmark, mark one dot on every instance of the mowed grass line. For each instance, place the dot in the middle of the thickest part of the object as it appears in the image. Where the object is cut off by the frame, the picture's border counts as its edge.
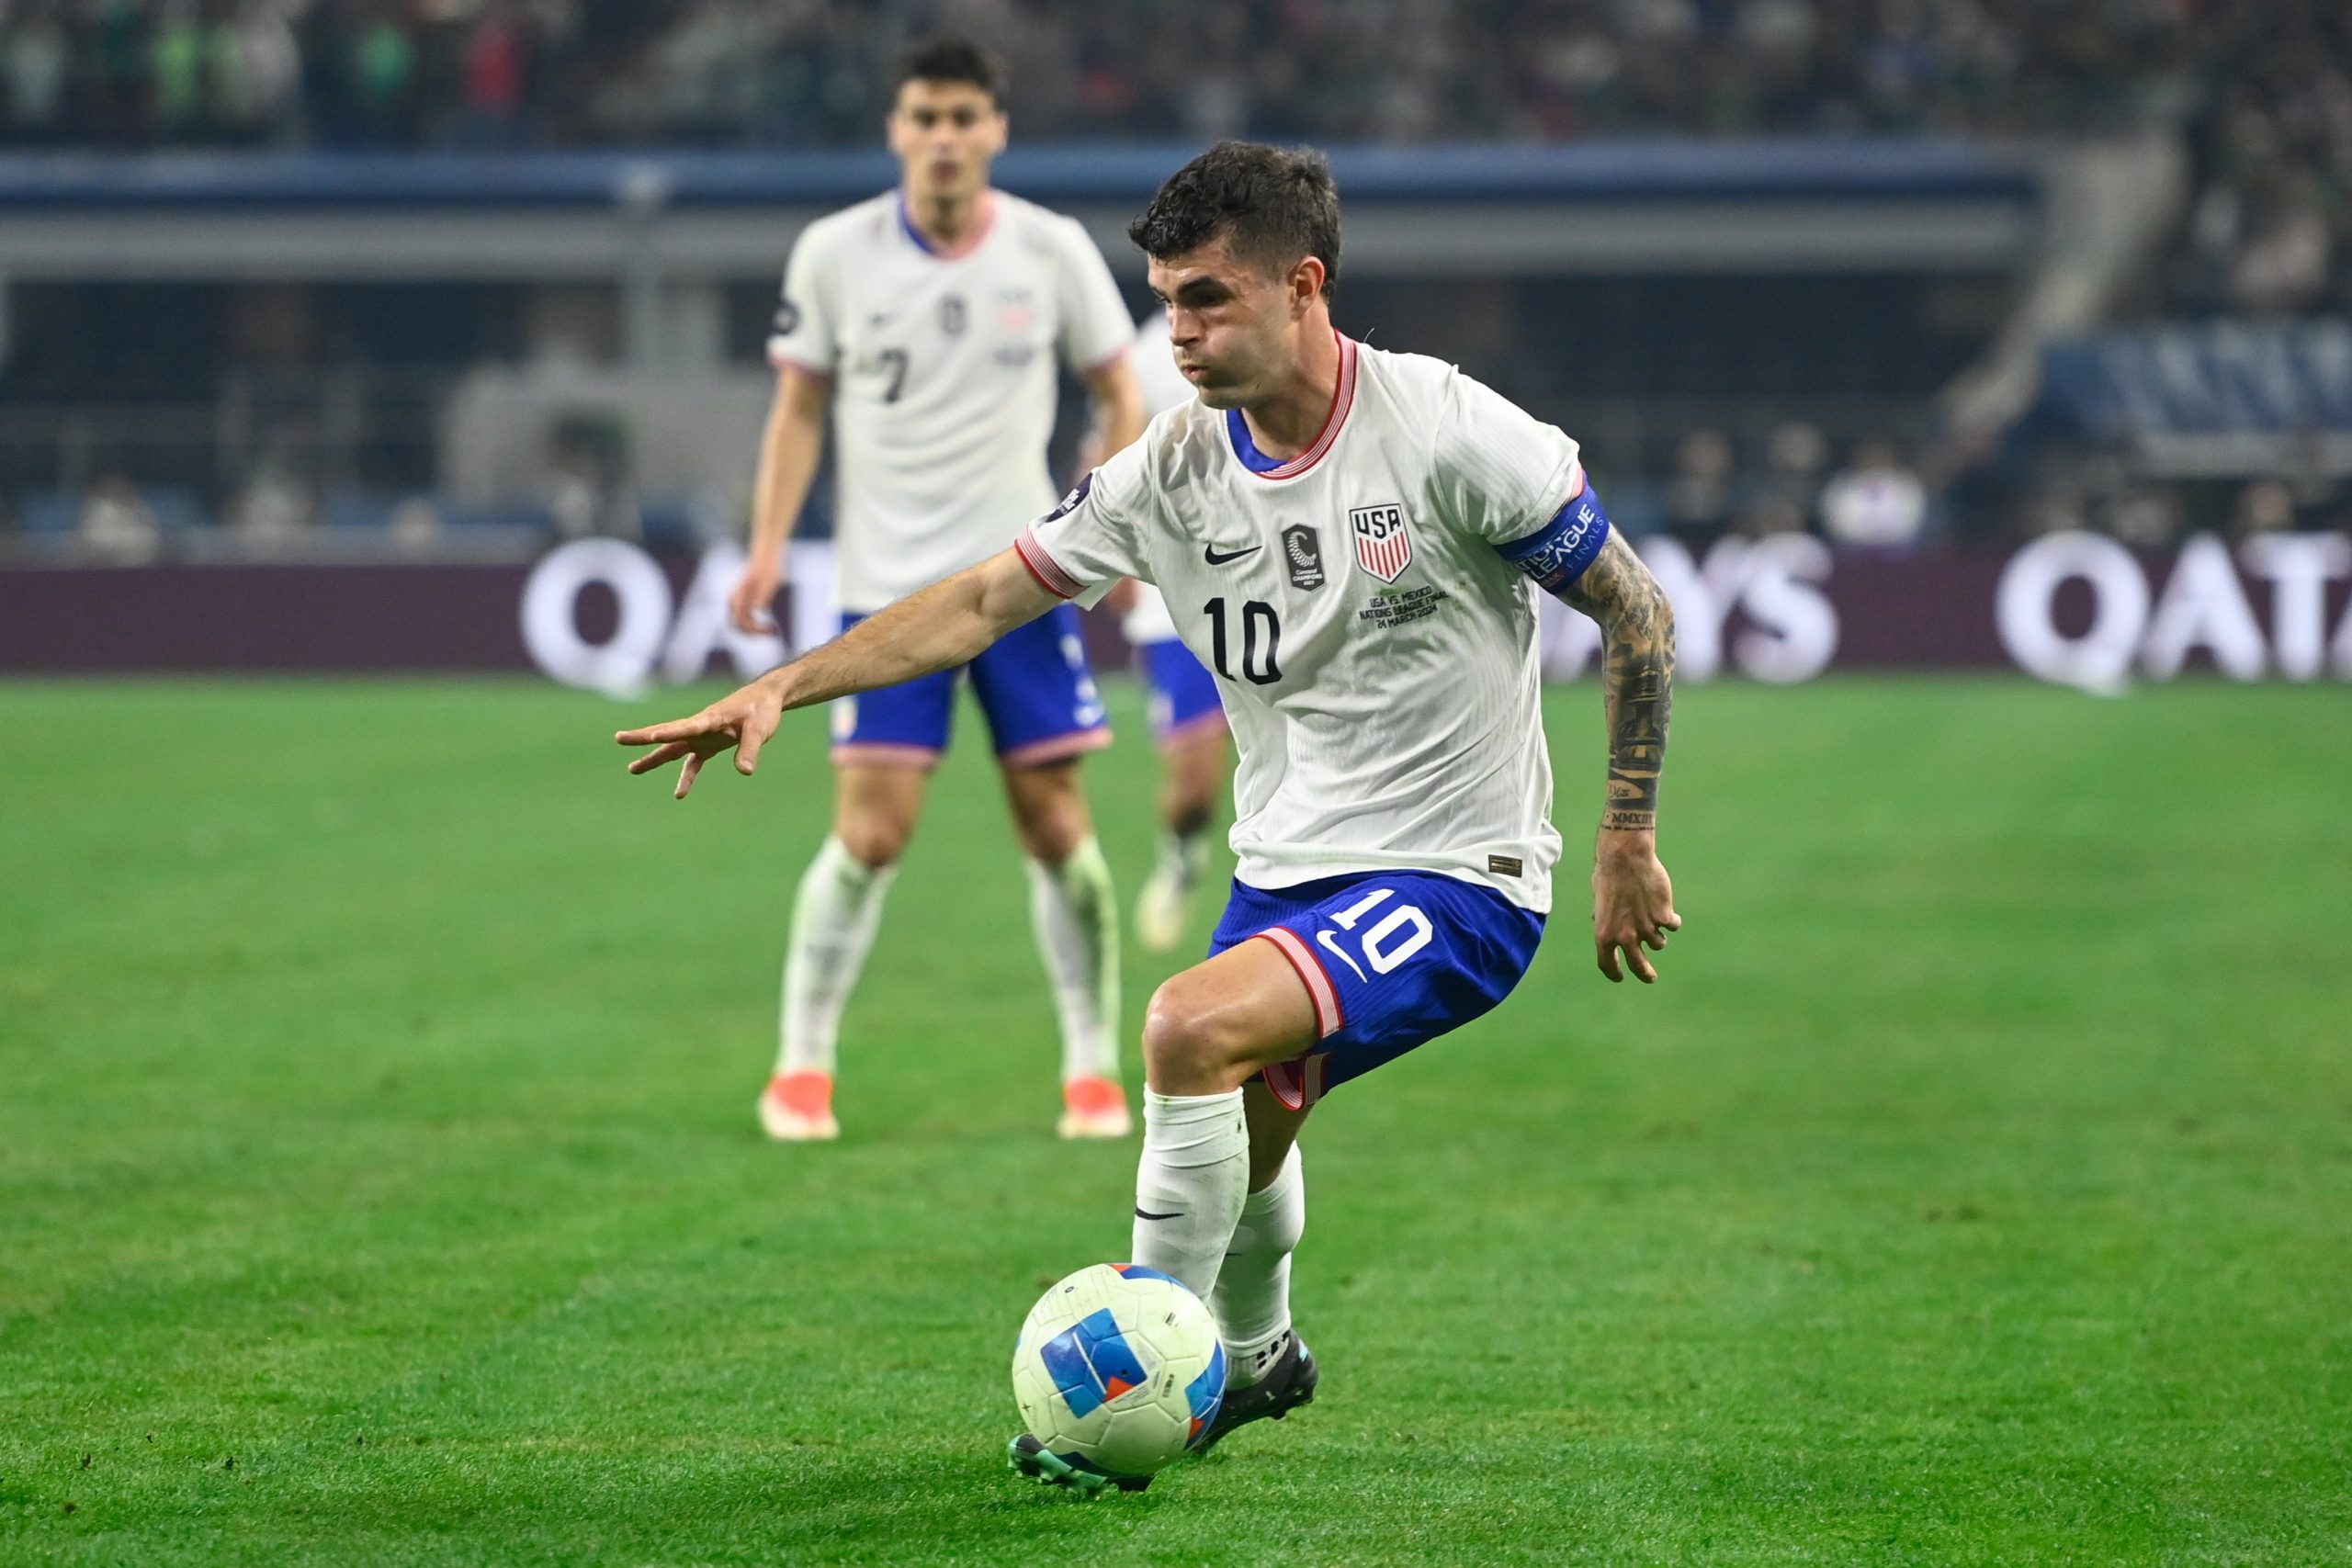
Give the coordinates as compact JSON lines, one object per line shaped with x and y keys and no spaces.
{"x":376,"y":1068}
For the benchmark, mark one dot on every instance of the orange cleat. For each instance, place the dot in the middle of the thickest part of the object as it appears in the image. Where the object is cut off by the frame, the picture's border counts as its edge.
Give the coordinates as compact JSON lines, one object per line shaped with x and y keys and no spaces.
{"x":798,"y":1108}
{"x":1094,"y":1107}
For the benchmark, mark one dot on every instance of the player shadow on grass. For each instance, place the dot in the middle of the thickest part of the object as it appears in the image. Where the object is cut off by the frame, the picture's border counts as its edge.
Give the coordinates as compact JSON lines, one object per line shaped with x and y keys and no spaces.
{"x":949,"y":1496}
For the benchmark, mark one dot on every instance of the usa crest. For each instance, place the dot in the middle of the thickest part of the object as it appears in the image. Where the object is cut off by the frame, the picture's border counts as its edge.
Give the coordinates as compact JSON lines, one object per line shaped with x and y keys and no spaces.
{"x":1383,"y":546}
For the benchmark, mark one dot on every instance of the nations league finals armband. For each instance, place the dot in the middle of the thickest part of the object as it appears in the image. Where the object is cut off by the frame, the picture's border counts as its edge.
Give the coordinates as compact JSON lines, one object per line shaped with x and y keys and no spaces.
{"x":1557,"y":554}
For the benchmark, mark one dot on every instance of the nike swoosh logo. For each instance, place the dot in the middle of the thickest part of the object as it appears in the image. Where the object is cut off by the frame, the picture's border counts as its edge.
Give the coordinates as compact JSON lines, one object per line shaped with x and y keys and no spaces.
{"x":1325,"y":938}
{"x":1211,"y":556}
{"x":1141,"y":1215}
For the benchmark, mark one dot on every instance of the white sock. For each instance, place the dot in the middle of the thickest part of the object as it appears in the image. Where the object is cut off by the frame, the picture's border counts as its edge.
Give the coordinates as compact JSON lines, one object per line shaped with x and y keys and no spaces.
{"x":1253,"y":1289}
{"x":1189,"y":1184}
{"x":834,"y":917}
{"x":1076,"y":915}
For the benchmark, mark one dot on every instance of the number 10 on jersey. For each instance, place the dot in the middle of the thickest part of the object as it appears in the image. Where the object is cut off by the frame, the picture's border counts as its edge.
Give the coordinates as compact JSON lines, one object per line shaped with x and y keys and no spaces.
{"x":1262,"y":641}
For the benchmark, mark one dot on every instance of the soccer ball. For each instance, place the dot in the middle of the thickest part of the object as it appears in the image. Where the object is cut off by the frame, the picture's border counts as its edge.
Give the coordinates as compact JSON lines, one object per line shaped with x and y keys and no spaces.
{"x":1118,"y":1369}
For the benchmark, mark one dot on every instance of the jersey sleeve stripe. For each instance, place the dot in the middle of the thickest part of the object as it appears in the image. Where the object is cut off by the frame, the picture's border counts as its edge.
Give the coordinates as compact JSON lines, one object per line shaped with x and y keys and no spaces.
{"x":1045,"y":568}
{"x":1320,"y":989}
{"x":779,"y":360}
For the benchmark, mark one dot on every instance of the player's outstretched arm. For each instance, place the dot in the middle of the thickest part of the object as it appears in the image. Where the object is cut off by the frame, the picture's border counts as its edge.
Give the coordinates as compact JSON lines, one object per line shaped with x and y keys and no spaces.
{"x":946,"y":624}
{"x":1633,"y":900}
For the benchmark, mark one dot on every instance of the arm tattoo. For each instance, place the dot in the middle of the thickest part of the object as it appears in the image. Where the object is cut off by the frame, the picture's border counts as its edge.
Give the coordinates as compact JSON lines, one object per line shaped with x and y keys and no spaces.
{"x":1637,"y":677}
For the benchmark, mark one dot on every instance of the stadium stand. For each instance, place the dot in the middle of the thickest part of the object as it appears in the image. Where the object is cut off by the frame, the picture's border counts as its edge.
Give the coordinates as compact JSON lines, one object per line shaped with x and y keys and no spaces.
{"x":317,"y":405}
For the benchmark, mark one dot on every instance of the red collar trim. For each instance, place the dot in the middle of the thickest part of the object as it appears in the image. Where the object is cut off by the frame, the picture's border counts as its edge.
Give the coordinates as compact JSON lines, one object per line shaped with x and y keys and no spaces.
{"x":1343,"y":397}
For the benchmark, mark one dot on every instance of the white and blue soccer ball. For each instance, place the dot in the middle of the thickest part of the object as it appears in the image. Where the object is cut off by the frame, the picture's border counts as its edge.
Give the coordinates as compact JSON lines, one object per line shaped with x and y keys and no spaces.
{"x":1118,"y":1369}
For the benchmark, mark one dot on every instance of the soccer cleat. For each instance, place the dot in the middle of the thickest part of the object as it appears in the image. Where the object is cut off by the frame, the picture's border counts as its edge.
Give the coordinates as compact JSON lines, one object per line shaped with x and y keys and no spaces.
{"x":1031,"y":1457}
{"x":1162,"y":906}
{"x":1094,"y":1107}
{"x":798,"y":1108}
{"x":1288,"y":1384}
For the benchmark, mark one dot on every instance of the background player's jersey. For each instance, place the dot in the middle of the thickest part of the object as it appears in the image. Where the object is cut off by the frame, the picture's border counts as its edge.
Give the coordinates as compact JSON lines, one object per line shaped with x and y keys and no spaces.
{"x":1164,"y":387}
{"x":1377,"y":657}
{"x":943,"y":369}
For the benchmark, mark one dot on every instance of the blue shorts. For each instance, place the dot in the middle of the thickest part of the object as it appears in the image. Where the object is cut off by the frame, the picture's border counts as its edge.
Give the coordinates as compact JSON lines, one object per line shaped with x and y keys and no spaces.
{"x":1390,"y":960}
{"x":1183,"y":693}
{"x":1035,"y":688}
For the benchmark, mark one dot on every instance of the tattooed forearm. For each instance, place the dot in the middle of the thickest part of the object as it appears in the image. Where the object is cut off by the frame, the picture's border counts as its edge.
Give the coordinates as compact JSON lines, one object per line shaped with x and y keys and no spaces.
{"x":1637,"y":678}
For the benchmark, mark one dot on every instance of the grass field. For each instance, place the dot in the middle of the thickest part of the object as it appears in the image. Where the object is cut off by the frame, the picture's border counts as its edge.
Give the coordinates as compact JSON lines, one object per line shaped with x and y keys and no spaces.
{"x":378,"y":1182}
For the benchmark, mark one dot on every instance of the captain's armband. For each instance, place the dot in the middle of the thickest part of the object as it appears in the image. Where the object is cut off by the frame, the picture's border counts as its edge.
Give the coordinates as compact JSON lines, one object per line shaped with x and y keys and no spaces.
{"x":1557,"y":554}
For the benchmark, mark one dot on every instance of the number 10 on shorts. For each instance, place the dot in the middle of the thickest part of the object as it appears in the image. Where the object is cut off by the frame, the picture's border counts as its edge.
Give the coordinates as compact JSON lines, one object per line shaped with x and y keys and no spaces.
{"x":1399,"y":934}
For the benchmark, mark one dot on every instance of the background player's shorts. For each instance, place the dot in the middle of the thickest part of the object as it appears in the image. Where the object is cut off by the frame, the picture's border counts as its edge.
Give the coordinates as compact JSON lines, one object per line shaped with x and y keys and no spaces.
{"x":1183,"y":693}
{"x":1035,"y":688}
{"x":1390,"y":959}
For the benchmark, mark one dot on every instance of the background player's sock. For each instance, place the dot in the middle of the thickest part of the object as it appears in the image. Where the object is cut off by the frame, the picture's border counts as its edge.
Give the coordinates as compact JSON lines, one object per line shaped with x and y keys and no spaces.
{"x":1253,"y":1289}
{"x":1076,"y":916}
{"x":1189,"y":1184}
{"x":833,"y":920}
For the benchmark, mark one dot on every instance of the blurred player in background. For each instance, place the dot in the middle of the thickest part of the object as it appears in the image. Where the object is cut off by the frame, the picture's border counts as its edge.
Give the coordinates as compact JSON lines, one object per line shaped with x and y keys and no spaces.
{"x":1187,"y":718}
{"x":1353,"y":539}
{"x":930,"y":320}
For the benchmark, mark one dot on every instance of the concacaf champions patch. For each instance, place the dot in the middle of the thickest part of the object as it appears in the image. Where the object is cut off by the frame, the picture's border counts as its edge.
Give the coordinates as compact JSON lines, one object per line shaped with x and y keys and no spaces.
{"x":1303,"y":553}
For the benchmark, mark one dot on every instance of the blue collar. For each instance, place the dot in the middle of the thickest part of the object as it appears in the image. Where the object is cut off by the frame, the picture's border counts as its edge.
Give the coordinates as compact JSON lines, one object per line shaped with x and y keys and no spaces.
{"x":906,"y":222}
{"x":1246,"y":449}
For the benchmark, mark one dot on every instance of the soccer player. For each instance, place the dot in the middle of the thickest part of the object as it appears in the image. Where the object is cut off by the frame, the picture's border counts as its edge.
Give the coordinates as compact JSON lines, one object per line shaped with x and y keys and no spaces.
{"x":1353,"y":539}
{"x":1187,"y":717}
{"x":930,"y":318}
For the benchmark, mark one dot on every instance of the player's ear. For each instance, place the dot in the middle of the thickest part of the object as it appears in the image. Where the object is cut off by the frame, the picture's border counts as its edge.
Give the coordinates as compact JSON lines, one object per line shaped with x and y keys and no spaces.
{"x":1306,"y":284}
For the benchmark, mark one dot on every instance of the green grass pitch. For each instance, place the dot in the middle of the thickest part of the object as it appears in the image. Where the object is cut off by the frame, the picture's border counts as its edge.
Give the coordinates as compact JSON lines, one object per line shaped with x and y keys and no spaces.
{"x":379,"y":1180}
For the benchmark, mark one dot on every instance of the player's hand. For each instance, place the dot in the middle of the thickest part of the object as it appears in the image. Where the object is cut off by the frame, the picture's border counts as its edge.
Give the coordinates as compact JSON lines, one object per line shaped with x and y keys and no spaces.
{"x":743,"y":721}
{"x":751,"y":606}
{"x":1633,"y":905}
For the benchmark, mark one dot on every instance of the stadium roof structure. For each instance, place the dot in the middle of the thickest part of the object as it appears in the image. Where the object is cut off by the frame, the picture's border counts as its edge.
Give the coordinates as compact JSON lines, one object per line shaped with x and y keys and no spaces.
{"x":1683,"y":205}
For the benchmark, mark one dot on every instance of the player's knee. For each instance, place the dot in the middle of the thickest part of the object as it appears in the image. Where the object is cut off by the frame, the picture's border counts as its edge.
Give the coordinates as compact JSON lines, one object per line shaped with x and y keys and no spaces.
{"x":1053,"y":840}
{"x":1051,"y":822}
{"x":876,"y":839}
{"x":1190,"y":1045}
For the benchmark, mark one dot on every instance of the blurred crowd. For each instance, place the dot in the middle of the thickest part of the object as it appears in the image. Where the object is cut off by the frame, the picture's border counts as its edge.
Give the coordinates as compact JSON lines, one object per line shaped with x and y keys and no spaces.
{"x":2258,"y":91}
{"x":2262,"y":89}
{"x":1882,"y":494}
{"x":568,"y":72}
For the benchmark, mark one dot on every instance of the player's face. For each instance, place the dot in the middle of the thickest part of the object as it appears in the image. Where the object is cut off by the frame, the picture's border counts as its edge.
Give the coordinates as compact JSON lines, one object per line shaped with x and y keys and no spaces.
{"x":1235,"y":328}
{"x":945,"y":134}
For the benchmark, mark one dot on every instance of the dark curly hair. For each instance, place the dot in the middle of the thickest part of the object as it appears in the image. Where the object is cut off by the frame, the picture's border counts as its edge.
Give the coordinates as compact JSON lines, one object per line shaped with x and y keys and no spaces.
{"x":950,"y":59}
{"x":1274,"y":205}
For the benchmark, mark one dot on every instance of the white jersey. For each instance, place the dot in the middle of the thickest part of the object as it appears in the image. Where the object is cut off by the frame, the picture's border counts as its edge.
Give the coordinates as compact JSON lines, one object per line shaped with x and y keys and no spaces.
{"x":1163,"y":387}
{"x":944,"y":367}
{"x":1376,"y":656}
